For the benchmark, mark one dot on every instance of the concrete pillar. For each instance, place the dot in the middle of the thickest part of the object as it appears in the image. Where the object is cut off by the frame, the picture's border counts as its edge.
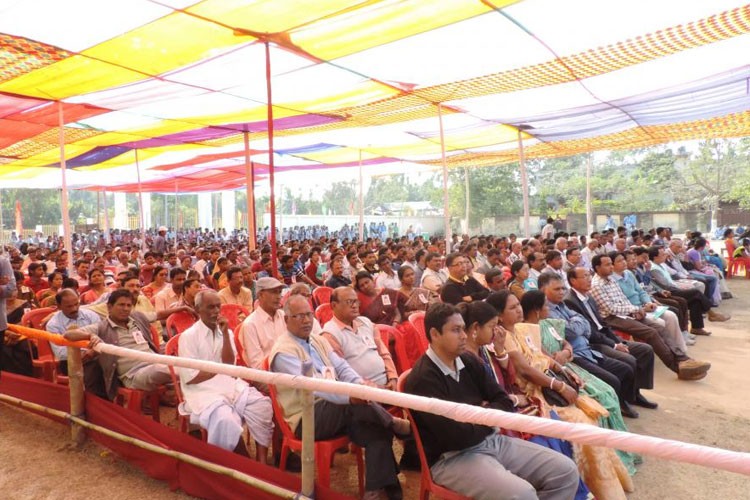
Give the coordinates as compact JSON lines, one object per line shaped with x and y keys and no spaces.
{"x":228,"y":210}
{"x":121,"y":212}
{"x":205,"y":214}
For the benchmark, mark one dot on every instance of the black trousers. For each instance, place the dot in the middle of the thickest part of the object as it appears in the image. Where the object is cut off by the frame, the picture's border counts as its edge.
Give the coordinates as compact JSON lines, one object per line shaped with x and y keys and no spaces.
{"x":697,"y":305}
{"x":368,"y":426}
{"x":640,"y":359}
{"x":619,"y":375}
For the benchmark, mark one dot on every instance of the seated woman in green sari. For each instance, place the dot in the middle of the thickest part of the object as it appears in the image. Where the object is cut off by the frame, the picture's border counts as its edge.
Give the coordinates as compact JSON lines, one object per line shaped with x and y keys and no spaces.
{"x":552,"y":333}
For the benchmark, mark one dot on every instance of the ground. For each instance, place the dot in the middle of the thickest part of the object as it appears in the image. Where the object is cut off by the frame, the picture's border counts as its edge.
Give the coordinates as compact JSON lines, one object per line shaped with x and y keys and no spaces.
{"x":38,"y":463}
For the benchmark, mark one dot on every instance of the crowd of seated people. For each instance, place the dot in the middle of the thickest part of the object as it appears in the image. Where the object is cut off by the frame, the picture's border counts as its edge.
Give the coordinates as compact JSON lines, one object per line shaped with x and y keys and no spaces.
{"x":566,"y":327}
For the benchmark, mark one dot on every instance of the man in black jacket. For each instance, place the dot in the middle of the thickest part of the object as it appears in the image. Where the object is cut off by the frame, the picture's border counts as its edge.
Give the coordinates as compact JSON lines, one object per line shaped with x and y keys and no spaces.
{"x":460,"y":288}
{"x":639,"y":355}
{"x":476,"y":460}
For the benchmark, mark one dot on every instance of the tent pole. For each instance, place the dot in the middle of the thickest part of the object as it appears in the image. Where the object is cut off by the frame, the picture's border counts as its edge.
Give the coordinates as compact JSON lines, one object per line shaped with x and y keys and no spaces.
{"x":589,"y":213}
{"x":98,"y":209}
{"x":446,"y":207}
{"x":140,"y":201}
{"x":175,"y":213}
{"x":67,"y":238}
{"x":106,"y":217}
{"x":274,"y":256}
{"x":249,"y":194}
{"x":524,"y":186}
{"x":361,"y":202}
{"x":2,"y":226}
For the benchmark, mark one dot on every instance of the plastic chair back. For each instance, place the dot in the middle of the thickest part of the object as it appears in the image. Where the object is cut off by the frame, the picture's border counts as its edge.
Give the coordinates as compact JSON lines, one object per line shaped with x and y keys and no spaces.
{"x":235,"y":314}
{"x":178,"y":323}
{"x":324,"y":313}
{"x":417,"y":321}
{"x":398,"y":353}
{"x":322,"y":295}
{"x":34,"y":318}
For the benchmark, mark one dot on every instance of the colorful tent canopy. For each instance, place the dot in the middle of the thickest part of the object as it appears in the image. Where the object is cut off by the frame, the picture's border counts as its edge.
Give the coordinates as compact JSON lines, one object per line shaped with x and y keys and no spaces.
{"x":181,"y":80}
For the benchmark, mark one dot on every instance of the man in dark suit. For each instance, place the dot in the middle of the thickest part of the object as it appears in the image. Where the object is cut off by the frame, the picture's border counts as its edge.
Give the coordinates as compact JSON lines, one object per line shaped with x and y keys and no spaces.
{"x":639,"y":355}
{"x":578,"y":332}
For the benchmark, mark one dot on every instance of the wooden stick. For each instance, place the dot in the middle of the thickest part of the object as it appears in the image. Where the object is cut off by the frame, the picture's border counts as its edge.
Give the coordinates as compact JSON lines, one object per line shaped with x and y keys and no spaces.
{"x":77,"y":397}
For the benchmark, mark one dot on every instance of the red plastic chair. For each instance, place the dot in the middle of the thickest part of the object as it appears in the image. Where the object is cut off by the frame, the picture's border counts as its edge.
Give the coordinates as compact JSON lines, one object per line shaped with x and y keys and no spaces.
{"x":417,"y":321}
{"x":622,"y":335}
{"x":325,"y":450}
{"x":179,"y":322}
{"x":398,"y":352}
{"x":235,"y":314}
{"x":324,"y":313}
{"x":34,"y":318}
{"x":132,"y":399}
{"x":322,"y":295}
{"x":183,"y":421}
{"x":427,"y":485}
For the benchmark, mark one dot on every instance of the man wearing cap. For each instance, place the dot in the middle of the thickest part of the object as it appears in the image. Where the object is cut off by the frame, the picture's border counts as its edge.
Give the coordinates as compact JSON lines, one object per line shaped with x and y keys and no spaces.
{"x":260,"y":330}
{"x":160,"y":242}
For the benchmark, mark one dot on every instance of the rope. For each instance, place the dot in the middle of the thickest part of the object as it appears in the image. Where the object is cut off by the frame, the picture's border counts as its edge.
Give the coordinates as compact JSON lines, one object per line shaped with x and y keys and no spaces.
{"x":666,"y":449}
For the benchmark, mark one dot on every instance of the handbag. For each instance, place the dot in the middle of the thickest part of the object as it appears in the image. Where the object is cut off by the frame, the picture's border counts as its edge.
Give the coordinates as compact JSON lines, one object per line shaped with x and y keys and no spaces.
{"x":553,"y":397}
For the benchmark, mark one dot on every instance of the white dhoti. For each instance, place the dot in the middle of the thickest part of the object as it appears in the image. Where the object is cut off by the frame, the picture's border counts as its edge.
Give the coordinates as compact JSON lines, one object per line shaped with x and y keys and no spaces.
{"x":223,"y":419}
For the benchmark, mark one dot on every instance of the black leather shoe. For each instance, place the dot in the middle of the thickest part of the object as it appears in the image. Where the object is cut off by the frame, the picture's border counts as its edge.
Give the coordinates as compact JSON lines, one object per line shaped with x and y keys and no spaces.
{"x":641,"y":400}
{"x":628,"y":411}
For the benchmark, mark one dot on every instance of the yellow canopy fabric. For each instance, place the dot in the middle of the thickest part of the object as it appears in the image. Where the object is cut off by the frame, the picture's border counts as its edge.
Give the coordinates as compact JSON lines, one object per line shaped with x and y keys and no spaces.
{"x":181,"y":80}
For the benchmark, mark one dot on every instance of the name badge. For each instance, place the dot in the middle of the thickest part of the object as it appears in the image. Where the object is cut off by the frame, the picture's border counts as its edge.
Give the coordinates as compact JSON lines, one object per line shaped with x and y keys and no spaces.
{"x":530,"y":343}
{"x":328,"y":373}
{"x":386,"y":300}
{"x":138,"y":337}
{"x":422,"y":298}
{"x":369,"y":342}
{"x":554,"y":333}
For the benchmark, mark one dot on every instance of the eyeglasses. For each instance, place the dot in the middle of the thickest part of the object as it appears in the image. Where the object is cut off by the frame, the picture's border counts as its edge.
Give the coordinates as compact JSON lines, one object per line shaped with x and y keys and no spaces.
{"x":301,"y":316}
{"x":349,"y":302}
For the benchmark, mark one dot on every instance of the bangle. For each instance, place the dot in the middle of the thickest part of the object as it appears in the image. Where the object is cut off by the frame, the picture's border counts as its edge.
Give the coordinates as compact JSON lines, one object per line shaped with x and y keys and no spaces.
{"x":514,"y":399}
{"x":502,"y":358}
{"x":552,"y":383}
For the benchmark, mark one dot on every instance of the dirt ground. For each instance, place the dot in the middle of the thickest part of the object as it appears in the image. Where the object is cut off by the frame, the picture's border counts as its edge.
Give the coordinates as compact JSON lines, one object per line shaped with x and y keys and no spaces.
{"x":39,"y":464}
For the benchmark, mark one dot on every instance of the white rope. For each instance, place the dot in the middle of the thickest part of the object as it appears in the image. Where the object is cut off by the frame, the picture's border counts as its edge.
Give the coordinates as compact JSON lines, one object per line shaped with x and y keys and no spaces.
{"x":666,"y":449}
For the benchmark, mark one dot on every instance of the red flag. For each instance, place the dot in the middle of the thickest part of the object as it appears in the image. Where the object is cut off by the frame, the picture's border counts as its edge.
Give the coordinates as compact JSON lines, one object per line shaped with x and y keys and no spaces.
{"x":19,"y":221}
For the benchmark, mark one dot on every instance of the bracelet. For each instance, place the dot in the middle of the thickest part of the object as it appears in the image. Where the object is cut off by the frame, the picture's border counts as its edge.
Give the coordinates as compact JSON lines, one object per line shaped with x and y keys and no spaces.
{"x":514,"y":399}
{"x":501,"y":358}
{"x":552,"y":383}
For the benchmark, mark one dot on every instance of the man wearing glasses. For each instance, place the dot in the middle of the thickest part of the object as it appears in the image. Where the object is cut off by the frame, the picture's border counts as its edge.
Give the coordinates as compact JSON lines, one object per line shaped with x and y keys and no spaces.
{"x":368,"y":424}
{"x":460,"y":287}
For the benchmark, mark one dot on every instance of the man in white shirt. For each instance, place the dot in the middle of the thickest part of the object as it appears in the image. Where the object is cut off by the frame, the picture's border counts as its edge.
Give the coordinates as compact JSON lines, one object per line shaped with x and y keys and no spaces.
{"x":219,"y":403}
{"x":260,"y":330}
{"x":171,"y":294}
{"x":433,"y":278}
{"x":386,"y":278}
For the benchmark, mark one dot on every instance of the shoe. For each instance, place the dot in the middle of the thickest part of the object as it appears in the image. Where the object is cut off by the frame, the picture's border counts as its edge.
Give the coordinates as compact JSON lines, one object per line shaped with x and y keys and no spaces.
{"x":689,"y":340}
{"x":693,"y":377}
{"x":717,"y":316}
{"x":401,"y":427}
{"x":691,"y":368}
{"x":700,"y":331}
{"x":394,"y":491}
{"x":641,"y":400}
{"x":374,"y":495}
{"x":293,"y":462}
{"x":628,"y":411}
{"x":726,"y":295}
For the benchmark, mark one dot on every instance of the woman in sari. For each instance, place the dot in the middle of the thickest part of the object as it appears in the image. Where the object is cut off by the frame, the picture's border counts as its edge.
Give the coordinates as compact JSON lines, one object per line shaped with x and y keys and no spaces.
{"x":96,"y":287}
{"x":379,"y":305}
{"x":552,"y":331}
{"x":158,"y":283}
{"x":601,"y":469}
{"x":55,"y":280}
{"x":519,"y":271}
{"x":414,"y":298}
{"x":480,"y":321}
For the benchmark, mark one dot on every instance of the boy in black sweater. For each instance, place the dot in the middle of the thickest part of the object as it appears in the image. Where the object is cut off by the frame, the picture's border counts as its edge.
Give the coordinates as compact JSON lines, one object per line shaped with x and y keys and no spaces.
{"x":476,"y":460}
